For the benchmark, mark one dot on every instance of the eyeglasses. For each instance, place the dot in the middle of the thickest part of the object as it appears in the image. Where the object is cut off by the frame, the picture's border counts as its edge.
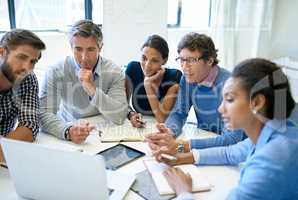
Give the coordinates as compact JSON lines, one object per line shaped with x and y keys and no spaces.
{"x":189,"y":60}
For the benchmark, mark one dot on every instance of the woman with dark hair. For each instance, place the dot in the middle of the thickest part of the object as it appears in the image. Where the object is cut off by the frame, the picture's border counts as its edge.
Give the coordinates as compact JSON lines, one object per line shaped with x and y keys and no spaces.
{"x":256,"y":98}
{"x":151,"y":88}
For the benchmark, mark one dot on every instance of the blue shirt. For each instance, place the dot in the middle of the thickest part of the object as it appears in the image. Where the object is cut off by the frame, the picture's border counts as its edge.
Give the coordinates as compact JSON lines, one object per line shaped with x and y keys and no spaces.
{"x":270,"y":170}
{"x":294,"y":115}
{"x":227,"y":138}
{"x":136,"y":77}
{"x":205,"y":101}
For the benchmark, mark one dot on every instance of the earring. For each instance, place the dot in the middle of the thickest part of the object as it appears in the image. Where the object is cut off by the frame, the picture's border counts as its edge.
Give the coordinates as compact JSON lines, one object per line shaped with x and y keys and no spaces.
{"x":254,"y":111}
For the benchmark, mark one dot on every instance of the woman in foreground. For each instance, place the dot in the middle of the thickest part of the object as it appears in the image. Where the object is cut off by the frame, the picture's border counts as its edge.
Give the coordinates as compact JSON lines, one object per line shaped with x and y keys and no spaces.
{"x":256,"y":98}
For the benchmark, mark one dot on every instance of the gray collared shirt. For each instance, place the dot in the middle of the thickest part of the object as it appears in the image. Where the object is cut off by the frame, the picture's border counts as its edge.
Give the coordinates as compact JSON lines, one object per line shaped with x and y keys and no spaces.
{"x":63,"y":99}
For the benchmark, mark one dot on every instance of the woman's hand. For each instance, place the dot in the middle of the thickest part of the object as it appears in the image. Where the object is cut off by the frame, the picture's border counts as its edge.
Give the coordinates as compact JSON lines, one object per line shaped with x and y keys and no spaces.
{"x":155,"y":79}
{"x":136,"y":120}
{"x":178,"y":180}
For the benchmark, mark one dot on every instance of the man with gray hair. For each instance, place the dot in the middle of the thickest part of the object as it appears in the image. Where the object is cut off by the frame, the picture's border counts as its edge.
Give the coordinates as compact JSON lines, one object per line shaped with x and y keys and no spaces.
{"x":82,"y":85}
{"x":20,"y":50}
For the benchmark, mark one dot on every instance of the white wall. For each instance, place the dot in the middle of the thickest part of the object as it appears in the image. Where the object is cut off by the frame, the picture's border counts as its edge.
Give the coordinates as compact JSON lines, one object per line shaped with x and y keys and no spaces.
{"x":126,"y":25}
{"x":174,"y":36}
{"x":57,"y":47}
{"x":284,"y":38}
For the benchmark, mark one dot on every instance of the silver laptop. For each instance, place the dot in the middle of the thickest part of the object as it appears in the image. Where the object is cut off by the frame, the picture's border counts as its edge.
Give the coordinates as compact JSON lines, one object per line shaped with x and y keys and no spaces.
{"x":40,"y":172}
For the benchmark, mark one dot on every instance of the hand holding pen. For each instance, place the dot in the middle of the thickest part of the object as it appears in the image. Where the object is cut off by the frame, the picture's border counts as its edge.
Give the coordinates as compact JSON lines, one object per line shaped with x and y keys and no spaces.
{"x":78,"y":132}
{"x":137,"y":120}
{"x":177,"y":159}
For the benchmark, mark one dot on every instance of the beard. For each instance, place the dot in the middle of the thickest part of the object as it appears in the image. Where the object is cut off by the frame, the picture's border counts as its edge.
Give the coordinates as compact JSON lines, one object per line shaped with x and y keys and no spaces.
{"x":6,"y":70}
{"x":14,"y":78}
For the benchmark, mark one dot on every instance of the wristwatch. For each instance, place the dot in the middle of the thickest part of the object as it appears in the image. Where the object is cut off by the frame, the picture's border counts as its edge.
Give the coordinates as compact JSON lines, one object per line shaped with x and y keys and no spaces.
{"x":66,"y":134}
{"x":180,"y":147}
{"x":129,"y":114}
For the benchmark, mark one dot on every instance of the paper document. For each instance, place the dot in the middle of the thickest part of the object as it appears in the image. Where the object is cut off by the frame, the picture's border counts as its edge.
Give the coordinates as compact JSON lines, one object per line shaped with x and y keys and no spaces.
{"x":127,"y":134}
{"x":199,"y":181}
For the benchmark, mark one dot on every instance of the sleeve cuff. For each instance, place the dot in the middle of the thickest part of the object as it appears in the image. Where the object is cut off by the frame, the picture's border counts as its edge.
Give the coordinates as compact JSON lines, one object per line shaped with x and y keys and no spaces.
{"x":66,"y":131}
{"x":196,"y":155}
{"x":185,"y":196}
{"x":174,"y":129}
{"x":31,"y":125}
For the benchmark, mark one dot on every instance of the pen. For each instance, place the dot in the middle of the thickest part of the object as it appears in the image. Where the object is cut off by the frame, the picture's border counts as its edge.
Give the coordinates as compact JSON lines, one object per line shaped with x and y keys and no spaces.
{"x":140,"y":119}
{"x":96,"y":131}
{"x":168,"y":157}
{"x":3,"y":165}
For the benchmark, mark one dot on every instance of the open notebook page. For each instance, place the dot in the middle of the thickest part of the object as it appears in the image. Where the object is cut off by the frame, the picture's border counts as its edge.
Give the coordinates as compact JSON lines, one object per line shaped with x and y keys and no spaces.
{"x":200,"y":182}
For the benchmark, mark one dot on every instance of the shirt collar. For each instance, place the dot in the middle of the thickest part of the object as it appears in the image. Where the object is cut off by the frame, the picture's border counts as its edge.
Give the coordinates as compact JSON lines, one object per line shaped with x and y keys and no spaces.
{"x":96,"y":70}
{"x":210,"y":79}
{"x":270,"y":127}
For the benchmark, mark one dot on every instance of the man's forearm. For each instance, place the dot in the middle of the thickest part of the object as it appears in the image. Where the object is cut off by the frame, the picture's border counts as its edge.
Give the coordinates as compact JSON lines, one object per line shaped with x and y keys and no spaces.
{"x":1,"y":155}
{"x":228,"y":138}
{"x":175,"y":122}
{"x":51,"y":124}
{"x":20,"y":133}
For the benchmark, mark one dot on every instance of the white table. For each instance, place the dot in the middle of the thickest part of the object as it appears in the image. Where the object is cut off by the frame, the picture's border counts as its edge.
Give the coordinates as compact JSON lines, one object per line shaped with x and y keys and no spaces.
{"x":224,"y":178}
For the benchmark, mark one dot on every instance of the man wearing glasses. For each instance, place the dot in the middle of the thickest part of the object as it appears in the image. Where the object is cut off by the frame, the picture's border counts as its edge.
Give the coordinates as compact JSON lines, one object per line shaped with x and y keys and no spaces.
{"x":20,"y":50}
{"x":82,"y":85}
{"x":200,"y":87}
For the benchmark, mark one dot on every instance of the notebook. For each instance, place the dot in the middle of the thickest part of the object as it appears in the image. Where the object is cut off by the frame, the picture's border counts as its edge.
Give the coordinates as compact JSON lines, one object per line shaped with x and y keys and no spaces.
{"x":200,"y":182}
{"x":117,"y":134}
